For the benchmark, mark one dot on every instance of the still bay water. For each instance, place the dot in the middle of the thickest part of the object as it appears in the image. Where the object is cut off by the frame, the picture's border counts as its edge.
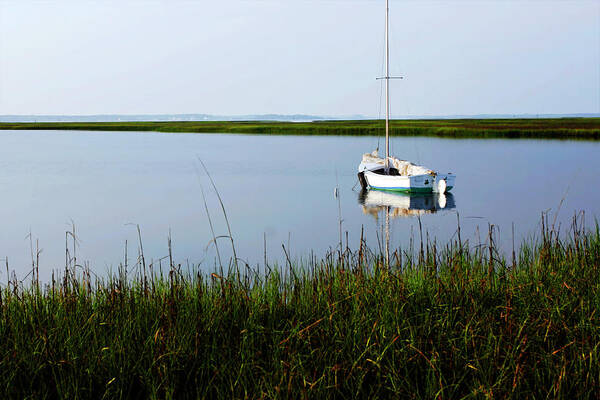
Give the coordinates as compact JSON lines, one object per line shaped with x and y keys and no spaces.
{"x":277,"y":190}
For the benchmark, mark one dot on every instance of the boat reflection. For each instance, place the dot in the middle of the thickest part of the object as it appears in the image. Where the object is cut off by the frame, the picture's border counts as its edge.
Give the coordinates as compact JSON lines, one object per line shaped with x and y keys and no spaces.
{"x":404,"y":204}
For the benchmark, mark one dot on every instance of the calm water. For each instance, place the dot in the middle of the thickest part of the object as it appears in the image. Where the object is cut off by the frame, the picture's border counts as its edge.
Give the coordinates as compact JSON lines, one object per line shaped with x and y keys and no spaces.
{"x":278,"y":188}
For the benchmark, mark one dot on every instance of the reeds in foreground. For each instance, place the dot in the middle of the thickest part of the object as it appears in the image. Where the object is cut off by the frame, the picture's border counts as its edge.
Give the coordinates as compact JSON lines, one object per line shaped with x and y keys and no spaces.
{"x":451,"y":322}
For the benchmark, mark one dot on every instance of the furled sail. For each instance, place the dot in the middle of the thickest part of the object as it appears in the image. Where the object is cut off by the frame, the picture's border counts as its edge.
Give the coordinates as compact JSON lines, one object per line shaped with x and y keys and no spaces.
{"x":405,"y":168}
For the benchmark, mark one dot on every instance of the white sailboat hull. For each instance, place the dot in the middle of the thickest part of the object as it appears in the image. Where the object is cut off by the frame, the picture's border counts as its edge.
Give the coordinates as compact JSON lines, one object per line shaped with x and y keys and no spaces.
{"x":425,"y":183}
{"x":415,"y":183}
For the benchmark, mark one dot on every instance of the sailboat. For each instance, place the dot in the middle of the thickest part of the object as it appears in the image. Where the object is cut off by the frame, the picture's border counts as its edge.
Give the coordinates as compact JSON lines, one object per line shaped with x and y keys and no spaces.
{"x":393,"y":174}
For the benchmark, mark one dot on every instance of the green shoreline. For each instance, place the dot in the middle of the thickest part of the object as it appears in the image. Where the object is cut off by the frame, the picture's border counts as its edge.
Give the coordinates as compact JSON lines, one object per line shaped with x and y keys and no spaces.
{"x":559,"y":128}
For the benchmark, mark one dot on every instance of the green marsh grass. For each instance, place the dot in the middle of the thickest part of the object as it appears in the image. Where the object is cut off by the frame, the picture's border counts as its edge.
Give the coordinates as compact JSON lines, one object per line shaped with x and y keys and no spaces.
{"x":452,"y":321}
{"x":556,"y":128}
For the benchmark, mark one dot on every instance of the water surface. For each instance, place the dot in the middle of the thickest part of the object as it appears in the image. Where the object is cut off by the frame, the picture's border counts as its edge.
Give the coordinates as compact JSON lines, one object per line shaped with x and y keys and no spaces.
{"x":278,"y":190}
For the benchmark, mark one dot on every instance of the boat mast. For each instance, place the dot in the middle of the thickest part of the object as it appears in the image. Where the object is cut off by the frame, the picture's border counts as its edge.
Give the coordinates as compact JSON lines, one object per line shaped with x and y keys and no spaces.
{"x":387,"y":85}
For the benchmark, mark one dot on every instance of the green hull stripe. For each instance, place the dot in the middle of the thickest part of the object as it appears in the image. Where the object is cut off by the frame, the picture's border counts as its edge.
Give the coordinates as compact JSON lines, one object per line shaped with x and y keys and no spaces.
{"x":408,"y":190}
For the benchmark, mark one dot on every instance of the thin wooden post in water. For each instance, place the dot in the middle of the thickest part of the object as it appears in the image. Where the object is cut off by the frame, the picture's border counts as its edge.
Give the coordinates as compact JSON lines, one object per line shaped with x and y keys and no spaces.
{"x":491,"y":250}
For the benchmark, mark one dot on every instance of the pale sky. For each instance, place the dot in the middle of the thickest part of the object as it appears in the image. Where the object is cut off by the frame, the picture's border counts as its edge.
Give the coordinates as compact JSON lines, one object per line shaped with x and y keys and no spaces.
{"x":298,"y":57}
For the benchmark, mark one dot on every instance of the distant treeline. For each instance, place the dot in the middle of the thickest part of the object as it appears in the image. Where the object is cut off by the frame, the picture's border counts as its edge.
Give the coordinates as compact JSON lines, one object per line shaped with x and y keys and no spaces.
{"x":559,"y":128}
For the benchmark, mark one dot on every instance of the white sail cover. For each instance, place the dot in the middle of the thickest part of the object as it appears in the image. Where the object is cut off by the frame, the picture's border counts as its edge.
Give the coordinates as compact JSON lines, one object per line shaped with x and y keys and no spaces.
{"x":405,"y":168}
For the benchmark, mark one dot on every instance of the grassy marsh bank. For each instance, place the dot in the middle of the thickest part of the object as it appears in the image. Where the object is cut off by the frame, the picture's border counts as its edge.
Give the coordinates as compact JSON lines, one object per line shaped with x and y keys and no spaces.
{"x":442,"y":321}
{"x":562,"y":128}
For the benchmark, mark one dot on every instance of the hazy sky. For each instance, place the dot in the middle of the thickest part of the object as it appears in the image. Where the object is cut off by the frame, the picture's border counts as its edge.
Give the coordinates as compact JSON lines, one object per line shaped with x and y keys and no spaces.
{"x":293,"y":56}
